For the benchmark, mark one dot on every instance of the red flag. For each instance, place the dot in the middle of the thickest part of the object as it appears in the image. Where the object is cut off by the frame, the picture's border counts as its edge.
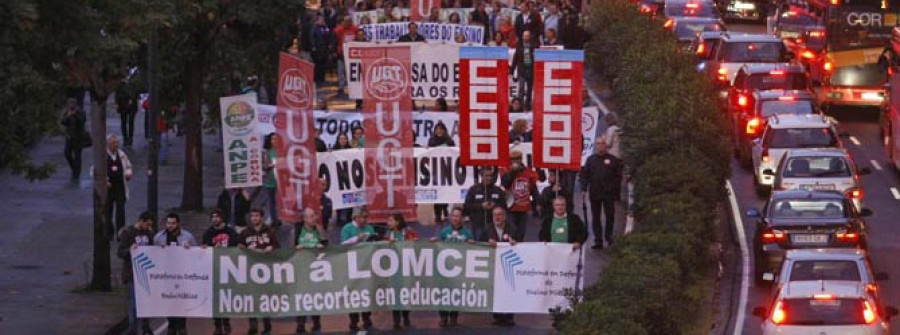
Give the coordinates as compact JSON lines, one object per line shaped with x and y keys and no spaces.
{"x":387,"y":119}
{"x":419,"y":9}
{"x":295,"y":140}
{"x":484,"y":105}
{"x":557,"y":109}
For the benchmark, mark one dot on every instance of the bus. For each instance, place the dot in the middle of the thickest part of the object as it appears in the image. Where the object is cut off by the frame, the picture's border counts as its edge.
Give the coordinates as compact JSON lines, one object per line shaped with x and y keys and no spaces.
{"x":846,"y":71}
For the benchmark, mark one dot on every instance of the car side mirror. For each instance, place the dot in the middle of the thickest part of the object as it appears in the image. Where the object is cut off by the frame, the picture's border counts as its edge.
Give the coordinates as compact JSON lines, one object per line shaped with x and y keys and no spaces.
{"x":890,"y":312}
{"x":865,"y":212}
{"x":753,"y":213}
{"x":881,"y":276}
{"x":864,"y":171}
{"x":768,"y":172}
{"x":761,"y":312}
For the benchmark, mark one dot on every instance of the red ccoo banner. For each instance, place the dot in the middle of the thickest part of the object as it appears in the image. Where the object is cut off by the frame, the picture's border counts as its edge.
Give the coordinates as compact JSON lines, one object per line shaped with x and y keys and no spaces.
{"x":295,"y":140}
{"x":387,"y":119}
{"x":420,"y":9}
{"x":484,"y":105}
{"x":557,"y":108}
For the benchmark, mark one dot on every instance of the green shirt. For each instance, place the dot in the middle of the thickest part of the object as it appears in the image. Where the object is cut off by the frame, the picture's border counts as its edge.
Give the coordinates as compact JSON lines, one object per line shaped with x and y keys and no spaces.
{"x":350,"y":233}
{"x":269,"y":181}
{"x":308,"y":238}
{"x":448,"y":234}
{"x":397,"y":234}
{"x":559,"y":230}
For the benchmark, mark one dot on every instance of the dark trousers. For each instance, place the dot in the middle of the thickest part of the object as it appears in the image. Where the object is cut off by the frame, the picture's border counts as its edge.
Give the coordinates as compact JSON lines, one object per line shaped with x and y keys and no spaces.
{"x":221,"y":323}
{"x":398,"y":315}
{"x":267,"y":324}
{"x":440,"y":213}
{"x":452,"y":315}
{"x":354,"y":319}
{"x":117,"y":202}
{"x":316,"y":319}
{"x":605,"y":205}
{"x":127,"y":128}
{"x":503,"y":317}
{"x":73,"y":157}
{"x":526,"y":83}
{"x":520,"y":220}
{"x":343,"y":217}
{"x":477,"y":227}
{"x":177,"y":325}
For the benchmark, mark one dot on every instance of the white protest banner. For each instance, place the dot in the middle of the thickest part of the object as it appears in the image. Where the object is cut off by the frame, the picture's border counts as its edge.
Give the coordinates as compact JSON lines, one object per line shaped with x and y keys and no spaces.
{"x":345,"y":172}
{"x":241,"y":141}
{"x":432,"y":31}
{"x":468,"y":277}
{"x":434,"y":70}
{"x":532,"y":276}
{"x":173,"y":281}
{"x":332,"y":123}
{"x":366,"y":17}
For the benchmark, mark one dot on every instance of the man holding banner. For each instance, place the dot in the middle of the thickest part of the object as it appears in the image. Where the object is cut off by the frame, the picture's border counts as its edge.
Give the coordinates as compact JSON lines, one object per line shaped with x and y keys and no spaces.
{"x":354,"y":232}
{"x":481,"y":199}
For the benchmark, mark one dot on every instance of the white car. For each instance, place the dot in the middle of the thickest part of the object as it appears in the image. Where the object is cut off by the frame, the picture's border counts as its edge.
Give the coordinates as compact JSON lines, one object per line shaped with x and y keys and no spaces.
{"x":833,"y":264}
{"x":825,"y":169}
{"x":824,"y":307}
{"x":784,"y":132}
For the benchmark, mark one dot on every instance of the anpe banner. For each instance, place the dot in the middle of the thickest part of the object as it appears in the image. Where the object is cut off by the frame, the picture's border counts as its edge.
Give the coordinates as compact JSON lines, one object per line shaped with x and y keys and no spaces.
{"x":333,"y":123}
{"x":241,"y":141}
{"x":295,"y":140}
{"x":440,"y":176}
{"x":420,"y":9}
{"x":483,"y":106}
{"x":557,"y":108}
{"x":432,"y":31}
{"x":387,"y":118}
{"x":380,"y":276}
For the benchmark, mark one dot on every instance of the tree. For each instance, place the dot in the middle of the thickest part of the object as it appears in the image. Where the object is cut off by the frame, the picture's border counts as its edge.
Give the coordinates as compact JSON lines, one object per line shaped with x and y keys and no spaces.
{"x":206,"y":44}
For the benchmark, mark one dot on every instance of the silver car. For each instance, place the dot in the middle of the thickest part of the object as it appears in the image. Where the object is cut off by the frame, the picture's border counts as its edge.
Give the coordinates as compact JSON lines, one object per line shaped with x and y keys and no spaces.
{"x":830,"y":264}
{"x":822,"y":169}
{"x":785,"y":132}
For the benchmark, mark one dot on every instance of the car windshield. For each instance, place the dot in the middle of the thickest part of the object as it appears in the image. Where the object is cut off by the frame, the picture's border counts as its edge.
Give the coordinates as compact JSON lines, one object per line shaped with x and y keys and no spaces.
{"x":859,"y":75}
{"x":782,"y":107}
{"x":816,"y":167}
{"x":691,"y":9}
{"x":824,"y":270}
{"x":777,"y":81}
{"x":687,"y":30}
{"x":808,"y":208}
{"x":823,"y":311}
{"x":789,"y":138}
{"x":753,"y":52}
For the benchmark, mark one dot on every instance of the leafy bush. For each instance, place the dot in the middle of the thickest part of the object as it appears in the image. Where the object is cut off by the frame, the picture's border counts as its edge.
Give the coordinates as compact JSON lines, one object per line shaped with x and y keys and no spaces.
{"x":676,"y":144}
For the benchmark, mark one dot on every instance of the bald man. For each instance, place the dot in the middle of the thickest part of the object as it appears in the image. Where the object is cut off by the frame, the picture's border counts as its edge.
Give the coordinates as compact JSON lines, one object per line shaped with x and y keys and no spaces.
{"x":601,"y":176}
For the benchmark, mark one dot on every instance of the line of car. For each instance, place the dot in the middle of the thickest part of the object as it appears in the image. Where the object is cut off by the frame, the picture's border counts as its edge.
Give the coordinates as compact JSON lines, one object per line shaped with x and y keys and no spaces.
{"x":810,"y":241}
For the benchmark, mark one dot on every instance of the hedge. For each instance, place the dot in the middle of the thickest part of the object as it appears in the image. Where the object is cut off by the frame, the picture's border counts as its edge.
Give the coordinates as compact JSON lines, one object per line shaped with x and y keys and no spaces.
{"x":677,"y":147}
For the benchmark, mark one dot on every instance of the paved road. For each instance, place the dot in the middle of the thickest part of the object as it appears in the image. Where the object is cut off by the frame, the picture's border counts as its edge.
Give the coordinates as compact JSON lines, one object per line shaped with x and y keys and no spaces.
{"x":884,"y":232}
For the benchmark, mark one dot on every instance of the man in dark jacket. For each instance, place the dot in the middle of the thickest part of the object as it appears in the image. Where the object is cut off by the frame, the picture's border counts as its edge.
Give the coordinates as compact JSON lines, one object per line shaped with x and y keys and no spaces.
{"x":261,"y":238}
{"x":602,"y":176}
{"x":220,"y":235}
{"x":126,"y":104}
{"x":563,"y":226}
{"x":550,"y":193}
{"x":529,"y":20}
{"x":523,"y":66}
{"x":500,"y":231}
{"x":481,"y":199}
{"x":72,"y":121}
{"x":130,"y":238}
{"x":413,"y":35}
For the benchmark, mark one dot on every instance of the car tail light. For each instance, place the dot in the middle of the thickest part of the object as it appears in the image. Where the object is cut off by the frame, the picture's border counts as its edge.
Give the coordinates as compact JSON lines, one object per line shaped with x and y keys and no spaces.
{"x":823,"y":297}
{"x":872,"y":289}
{"x":787,"y":98}
{"x":828,"y":66}
{"x":670,"y":23}
{"x":807,"y":54}
{"x":847,"y":236}
{"x":773,"y":236}
{"x":742,"y":100}
{"x":778,"y":313}
{"x":835,"y":2}
{"x":776,"y":72}
{"x":855,"y":193}
{"x":645,"y":9}
{"x":817,"y":34}
{"x":765,"y":155}
{"x":722,"y":73}
{"x":701,"y":49}
{"x":692,"y":5}
{"x":753,"y":126}
{"x":868,"y":312}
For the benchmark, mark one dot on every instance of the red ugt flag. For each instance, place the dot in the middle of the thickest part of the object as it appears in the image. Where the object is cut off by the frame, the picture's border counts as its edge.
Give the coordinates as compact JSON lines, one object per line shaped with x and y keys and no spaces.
{"x":295,"y":140}
{"x":484,"y":105}
{"x":387,"y":119}
{"x":419,"y":9}
{"x":557,"y":108}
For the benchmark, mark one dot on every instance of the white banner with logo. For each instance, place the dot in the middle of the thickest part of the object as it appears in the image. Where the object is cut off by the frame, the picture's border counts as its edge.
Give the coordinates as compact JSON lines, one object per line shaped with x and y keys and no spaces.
{"x":432,"y":32}
{"x":173,"y":281}
{"x":434,"y":70}
{"x":532,"y":276}
{"x":333,"y":123}
{"x":241,"y":141}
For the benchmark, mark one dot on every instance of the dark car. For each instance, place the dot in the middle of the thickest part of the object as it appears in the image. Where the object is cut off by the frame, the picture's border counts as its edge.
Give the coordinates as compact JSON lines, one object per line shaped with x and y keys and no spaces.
{"x":744,"y":9}
{"x":762,"y":77}
{"x":651,"y":7}
{"x":687,"y":28}
{"x":690,"y":8}
{"x":800,"y":219}
{"x":791,"y":25}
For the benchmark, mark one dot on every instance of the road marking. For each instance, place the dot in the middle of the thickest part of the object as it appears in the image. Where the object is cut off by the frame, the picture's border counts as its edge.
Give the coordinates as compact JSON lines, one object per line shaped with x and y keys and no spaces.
{"x":896,"y":193}
{"x":745,"y":257}
{"x":854,"y":140}
{"x":876,"y":165}
{"x":159,"y":330}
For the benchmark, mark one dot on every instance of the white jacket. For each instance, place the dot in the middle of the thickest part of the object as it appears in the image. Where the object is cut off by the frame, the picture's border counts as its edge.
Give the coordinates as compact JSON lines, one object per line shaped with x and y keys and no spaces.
{"x":126,"y":165}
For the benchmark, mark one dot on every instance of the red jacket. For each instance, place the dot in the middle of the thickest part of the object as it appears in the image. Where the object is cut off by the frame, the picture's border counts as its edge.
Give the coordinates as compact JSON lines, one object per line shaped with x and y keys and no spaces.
{"x":521,"y":185}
